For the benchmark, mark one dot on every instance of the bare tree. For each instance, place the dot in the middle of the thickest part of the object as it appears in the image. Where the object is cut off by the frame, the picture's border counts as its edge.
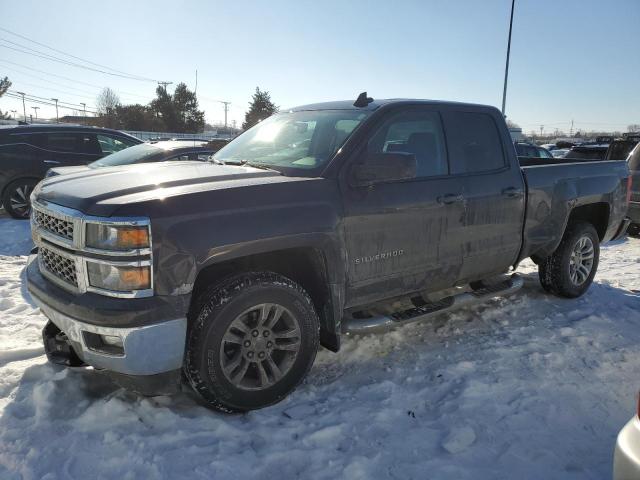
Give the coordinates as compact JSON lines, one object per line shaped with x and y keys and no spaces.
{"x":634,"y":127}
{"x":106,"y":105}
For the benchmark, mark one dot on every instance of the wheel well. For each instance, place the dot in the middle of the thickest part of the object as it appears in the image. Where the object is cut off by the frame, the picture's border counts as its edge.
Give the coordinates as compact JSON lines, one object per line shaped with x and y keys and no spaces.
{"x":305,"y":266}
{"x":597,"y":214}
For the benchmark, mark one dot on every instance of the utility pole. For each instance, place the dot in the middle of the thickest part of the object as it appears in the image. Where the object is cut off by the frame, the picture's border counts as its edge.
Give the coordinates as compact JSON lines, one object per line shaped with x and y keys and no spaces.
{"x":571,"y":131}
{"x":164,"y":85}
{"x":226,"y":110}
{"x":24,"y":108}
{"x":541,"y":129}
{"x":84,"y":112}
{"x":56,"y":100}
{"x":35,"y":109}
{"x":506,"y":68}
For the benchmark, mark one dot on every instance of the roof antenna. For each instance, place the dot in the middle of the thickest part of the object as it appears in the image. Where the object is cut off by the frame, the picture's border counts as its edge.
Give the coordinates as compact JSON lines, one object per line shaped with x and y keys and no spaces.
{"x":362,"y":100}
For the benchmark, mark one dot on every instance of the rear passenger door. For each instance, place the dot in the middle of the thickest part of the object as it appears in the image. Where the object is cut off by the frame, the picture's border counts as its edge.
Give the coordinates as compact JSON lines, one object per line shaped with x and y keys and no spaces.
{"x":66,"y":148}
{"x":493,"y":191}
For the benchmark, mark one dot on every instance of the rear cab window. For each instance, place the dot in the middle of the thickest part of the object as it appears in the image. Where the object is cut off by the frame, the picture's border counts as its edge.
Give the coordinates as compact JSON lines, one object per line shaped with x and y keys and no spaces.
{"x":473,"y":142}
{"x":634,"y":159}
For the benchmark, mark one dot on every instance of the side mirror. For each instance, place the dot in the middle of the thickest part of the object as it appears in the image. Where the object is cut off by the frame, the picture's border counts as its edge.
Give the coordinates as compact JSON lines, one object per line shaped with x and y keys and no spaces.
{"x":384,"y":167}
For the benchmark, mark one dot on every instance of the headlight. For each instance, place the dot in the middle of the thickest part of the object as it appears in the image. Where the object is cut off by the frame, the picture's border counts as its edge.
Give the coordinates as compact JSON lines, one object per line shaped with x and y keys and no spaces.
{"x":116,"y":237}
{"x":119,"y":278}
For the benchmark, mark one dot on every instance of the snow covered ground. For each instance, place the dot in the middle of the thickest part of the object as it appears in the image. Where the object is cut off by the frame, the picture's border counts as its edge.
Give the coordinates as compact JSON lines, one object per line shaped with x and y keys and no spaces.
{"x":530,"y":387}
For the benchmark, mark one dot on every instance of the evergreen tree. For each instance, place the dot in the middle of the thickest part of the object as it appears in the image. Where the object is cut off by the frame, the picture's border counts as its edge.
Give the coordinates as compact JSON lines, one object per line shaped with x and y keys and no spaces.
{"x":260,"y":107}
{"x":185,"y":103}
{"x":5,"y":83}
{"x":179,"y":112}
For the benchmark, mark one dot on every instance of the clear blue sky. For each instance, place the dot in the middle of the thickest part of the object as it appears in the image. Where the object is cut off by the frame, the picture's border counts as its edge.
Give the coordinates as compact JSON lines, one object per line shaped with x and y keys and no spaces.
{"x":571,"y":59}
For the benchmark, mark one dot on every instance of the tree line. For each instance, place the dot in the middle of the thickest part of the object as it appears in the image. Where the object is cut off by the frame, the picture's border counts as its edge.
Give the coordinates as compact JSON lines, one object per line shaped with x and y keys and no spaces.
{"x":177,"y":112}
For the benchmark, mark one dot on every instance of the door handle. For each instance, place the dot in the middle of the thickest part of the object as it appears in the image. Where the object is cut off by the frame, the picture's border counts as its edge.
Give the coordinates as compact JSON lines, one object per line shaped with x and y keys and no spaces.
{"x":512,"y":192}
{"x":51,"y":162}
{"x":450,"y":198}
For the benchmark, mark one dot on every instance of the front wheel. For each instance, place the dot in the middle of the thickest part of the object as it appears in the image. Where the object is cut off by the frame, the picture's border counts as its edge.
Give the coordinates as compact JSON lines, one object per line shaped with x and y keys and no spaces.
{"x":15,"y":198}
{"x":569,"y":271}
{"x":253,"y":340}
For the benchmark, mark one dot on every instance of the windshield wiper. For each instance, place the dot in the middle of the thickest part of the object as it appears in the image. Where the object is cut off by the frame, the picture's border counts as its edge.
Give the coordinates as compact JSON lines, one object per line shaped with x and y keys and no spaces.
{"x":261,"y":166}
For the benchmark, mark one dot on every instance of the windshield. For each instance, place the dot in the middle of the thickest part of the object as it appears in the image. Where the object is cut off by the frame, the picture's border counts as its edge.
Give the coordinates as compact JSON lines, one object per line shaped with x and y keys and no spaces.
{"x":135,"y":154}
{"x":298,"y":140}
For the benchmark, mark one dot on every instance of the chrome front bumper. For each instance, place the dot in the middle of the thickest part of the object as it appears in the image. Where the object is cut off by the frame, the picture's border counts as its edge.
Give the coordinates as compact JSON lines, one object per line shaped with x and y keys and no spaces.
{"x":626,"y":459}
{"x":148,"y":350}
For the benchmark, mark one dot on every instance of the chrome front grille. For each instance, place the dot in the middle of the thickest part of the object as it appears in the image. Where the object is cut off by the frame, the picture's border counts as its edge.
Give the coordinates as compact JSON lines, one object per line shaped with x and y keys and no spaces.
{"x":57,"y":226}
{"x":59,"y":266}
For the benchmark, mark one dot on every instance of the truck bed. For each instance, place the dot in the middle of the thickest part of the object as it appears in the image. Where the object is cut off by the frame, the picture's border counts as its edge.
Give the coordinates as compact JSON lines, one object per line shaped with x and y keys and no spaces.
{"x":557,"y":187}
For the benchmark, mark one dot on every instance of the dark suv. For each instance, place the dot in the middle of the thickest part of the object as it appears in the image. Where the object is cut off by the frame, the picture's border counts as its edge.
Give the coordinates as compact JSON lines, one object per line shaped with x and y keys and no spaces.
{"x":28,"y":151}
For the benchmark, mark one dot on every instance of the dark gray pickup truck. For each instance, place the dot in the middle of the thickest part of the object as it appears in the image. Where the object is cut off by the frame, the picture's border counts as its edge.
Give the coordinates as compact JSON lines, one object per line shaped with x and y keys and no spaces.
{"x":322,"y":220}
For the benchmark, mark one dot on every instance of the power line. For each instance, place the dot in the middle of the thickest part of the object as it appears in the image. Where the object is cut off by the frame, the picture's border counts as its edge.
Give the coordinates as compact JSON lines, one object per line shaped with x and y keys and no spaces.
{"x":45,"y":101}
{"x":64,"y":53}
{"x":66,"y":62}
{"x":69,"y":79}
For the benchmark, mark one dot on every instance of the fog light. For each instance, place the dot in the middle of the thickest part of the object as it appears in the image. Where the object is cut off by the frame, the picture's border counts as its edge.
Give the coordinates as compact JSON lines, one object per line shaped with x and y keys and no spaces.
{"x":112,"y":340}
{"x":106,"y":344}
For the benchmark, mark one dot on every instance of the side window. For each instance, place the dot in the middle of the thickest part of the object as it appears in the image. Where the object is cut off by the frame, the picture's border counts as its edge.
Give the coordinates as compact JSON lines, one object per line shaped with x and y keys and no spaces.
{"x":110,"y":145}
{"x":416,"y":132}
{"x":88,"y":143}
{"x":61,"y":142}
{"x":474,"y":142}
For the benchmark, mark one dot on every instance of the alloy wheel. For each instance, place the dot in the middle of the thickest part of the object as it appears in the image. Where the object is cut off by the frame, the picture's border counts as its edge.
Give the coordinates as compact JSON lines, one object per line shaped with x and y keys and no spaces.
{"x":260,"y":346}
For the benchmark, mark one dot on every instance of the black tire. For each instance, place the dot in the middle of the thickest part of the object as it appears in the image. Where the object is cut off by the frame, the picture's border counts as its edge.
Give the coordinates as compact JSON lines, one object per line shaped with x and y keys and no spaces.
{"x":634,"y":230}
{"x":555,"y":271}
{"x":220,"y":307}
{"x":15,"y":198}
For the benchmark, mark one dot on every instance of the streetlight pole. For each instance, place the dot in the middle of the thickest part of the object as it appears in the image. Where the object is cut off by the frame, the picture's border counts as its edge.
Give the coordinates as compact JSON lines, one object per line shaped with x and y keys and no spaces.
{"x":506,"y":68}
{"x":56,"y":100}
{"x":84,"y":112}
{"x":35,"y":109}
{"x":24,"y":108}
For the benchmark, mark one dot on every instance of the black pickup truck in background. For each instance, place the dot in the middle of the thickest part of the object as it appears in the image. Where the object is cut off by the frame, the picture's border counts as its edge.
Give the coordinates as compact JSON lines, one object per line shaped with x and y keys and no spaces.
{"x":322,"y":220}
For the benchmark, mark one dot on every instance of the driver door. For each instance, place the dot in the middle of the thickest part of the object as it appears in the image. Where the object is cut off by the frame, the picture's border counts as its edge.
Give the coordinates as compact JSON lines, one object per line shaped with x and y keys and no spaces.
{"x":404,"y":236}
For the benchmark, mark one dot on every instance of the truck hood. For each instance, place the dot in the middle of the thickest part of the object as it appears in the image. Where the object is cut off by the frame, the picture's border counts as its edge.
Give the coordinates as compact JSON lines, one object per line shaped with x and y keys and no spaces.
{"x":66,"y":170}
{"x":100,"y":191}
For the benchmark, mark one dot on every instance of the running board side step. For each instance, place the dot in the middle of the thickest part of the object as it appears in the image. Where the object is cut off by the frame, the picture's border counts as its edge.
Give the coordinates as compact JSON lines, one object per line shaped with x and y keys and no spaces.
{"x":383,"y":323}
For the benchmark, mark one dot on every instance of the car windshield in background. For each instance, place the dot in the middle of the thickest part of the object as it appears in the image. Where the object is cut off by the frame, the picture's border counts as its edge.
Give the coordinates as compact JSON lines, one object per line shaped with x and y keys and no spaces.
{"x":299,"y":140}
{"x":135,"y":154}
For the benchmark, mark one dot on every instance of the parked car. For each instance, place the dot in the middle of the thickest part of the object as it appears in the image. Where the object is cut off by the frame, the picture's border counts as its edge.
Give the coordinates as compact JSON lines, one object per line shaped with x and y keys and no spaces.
{"x":560,"y":152}
{"x":532,"y":151}
{"x":620,"y":149}
{"x":323,"y":220}
{"x":28,"y":151}
{"x":634,"y":204}
{"x":588,"y":152}
{"x":549,"y":146}
{"x":163,"y":151}
{"x":626,"y":457}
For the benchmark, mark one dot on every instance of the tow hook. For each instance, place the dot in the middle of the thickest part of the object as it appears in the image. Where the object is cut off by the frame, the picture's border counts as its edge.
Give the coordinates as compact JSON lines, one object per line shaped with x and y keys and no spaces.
{"x":58,"y":348}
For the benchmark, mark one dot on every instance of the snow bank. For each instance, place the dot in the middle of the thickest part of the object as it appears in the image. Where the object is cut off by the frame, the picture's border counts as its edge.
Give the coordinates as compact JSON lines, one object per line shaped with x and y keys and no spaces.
{"x":528,"y":387}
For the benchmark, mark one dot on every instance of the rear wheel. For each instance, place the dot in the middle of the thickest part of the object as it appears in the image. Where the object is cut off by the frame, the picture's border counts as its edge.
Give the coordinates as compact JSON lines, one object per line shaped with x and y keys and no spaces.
{"x":15,"y":198}
{"x":634,"y":229}
{"x":252,"y":342}
{"x":569,"y":271}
